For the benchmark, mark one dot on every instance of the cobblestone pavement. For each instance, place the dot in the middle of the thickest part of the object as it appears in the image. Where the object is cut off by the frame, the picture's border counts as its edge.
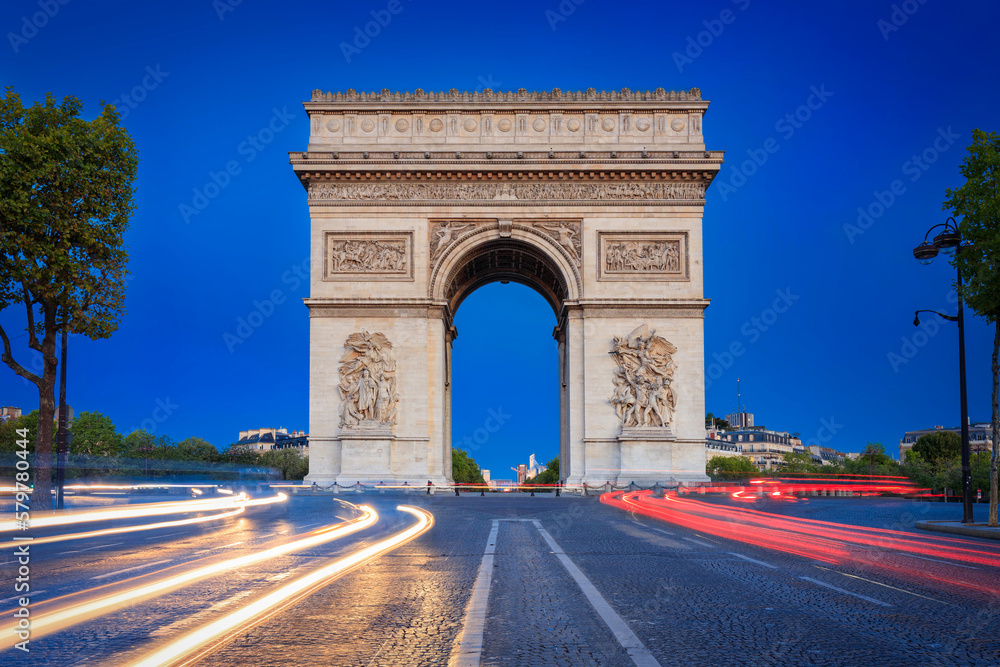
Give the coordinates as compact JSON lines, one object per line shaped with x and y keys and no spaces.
{"x":689,"y":598}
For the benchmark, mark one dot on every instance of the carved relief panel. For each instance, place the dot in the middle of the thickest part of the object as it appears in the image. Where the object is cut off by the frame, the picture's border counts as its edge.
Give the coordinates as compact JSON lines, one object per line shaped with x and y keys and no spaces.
{"x":643,"y":397}
{"x":368,"y":397}
{"x":643,"y":255}
{"x":368,"y":256}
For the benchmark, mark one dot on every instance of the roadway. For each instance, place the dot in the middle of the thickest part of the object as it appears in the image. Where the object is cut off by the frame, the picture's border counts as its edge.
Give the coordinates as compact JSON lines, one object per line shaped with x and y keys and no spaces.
{"x":514,"y":580}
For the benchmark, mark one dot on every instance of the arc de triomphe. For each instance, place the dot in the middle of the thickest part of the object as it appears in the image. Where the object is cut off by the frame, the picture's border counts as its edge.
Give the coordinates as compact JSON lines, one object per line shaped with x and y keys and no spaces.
{"x":594,"y":199}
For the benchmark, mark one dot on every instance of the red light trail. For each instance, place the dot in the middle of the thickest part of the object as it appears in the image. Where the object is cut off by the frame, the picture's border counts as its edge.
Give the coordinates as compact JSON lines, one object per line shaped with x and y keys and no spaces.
{"x":832,"y":543}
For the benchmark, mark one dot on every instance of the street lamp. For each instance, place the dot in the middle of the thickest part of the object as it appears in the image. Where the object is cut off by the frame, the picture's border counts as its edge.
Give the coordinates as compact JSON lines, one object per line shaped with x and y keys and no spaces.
{"x":950,"y":240}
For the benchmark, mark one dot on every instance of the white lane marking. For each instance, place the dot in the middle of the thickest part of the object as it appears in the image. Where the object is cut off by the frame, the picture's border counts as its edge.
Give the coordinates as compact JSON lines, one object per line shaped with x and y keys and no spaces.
{"x":260,"y":537}
{"x":879,"y":583}
{"x":946,"y":562}
{"x":468,"y":650}
{"x":160,"y":537}
{"x":753,"y":560}
{"x":281,"y":575}
{"x":80,"y":551}
{"x":704,"y":544}
{"x":633,"y":645}
{"x":131,"y":569}
{"x":27,"y":594}
{"x":665,"y":532}
{"x":224,"y":546}
{"x":236,"y":598}
{"x":310,"y":525}
{"x":841,"y":590}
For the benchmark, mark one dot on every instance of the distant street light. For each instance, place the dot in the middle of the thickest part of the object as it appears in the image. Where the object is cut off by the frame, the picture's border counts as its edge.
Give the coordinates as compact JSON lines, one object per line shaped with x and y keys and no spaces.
{"x":947,"y":241}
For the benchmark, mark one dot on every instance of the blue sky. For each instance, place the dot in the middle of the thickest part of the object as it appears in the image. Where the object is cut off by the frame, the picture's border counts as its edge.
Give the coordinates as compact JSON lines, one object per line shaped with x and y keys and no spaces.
{"x":883,"y":90}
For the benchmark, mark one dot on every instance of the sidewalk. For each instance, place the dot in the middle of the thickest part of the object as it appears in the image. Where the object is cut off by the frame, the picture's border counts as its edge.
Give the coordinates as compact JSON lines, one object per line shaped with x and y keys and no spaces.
{"x":959,"y":528}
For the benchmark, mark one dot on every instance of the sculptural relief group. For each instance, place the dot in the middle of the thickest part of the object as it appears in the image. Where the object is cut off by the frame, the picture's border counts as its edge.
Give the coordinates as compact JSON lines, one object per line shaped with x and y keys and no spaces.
{"x":368,"y":382}
{"x":643,"y":396}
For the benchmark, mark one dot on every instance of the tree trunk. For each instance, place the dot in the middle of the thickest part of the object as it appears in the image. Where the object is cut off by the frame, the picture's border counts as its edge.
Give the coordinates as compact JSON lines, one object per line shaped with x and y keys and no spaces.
{"x":42,"y":494}
{"x":995,"y":456}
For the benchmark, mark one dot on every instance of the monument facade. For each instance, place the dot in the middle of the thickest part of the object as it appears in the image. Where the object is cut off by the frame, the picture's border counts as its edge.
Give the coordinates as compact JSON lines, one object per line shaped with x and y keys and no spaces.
{"x":593,"y":199}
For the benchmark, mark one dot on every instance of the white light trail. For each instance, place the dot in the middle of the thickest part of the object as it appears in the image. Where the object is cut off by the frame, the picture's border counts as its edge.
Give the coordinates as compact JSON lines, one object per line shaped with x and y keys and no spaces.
{"x":275,"y":601}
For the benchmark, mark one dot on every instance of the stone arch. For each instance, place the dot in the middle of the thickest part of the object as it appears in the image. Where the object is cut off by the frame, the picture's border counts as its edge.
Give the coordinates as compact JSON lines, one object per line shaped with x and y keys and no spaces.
{"x":525,"y":256}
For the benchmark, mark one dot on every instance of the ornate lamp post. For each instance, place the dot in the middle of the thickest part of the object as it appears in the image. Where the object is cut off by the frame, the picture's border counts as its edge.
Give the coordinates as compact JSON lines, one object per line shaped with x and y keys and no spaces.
{"x":947,"y":241}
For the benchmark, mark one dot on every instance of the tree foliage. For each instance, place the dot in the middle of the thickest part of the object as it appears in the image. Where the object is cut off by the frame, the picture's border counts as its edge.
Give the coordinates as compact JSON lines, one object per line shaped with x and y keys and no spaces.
{"x":730,"y":467}
{"x":977,"y":202}
{"x":66,"y":194}
{"x":95,"y":435}
{"x":938,"y":445}
{"x":464,"y":469}
{"x":548,"y":476}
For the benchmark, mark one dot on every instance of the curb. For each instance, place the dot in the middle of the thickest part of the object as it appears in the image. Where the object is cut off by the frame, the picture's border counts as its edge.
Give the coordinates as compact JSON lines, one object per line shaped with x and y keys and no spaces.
{"x":956,"y":528}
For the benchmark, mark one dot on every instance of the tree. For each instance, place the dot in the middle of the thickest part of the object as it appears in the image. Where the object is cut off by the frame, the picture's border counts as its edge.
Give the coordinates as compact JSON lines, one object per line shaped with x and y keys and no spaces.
{"x":464,"y":469}
{"x":795,"y":462}
{"x":977,"y":202}
{"x":548,"y":476}
{"x":66,"y":194}
{"x":95,"y":435}
{"x":9,"y":435}
{"x":729,"y":467}
{"x":287,"y":461}
{"x":711,"y":421}
{"x":938,"y":445}
{"x":196,"y":449}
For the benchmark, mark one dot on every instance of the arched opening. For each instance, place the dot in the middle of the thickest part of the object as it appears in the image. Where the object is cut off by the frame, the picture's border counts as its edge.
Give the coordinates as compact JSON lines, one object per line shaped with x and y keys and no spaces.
{"x":506,"y":357}
{"x":505,"y":378}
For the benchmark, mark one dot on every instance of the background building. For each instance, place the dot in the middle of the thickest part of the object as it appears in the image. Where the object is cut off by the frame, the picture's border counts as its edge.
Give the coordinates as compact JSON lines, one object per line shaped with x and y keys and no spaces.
{"x":7,"y":413}
{"x":740,"y":419}
{"x":980,"y":437}
{"x":266,"y":439}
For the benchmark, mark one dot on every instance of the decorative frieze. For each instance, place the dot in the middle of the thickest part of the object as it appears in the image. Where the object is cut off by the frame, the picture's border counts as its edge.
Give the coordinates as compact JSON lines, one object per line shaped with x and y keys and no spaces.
{"x":646,"y":255}
{"x":521,"y":96}
{"x":643,"y":397}
{"x":368,"y":256}
{"x":499,"y":191}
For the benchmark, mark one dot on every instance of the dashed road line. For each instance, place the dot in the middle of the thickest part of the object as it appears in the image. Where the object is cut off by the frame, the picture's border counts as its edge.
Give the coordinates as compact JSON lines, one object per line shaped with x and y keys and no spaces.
{"x":845,"y":592}
{"x":103,"y":546}
{"x":704,"y":544}
{"x":468,"y":650}
{"x":633,"y":645}
{"x":131,"y":569}
{"x":753,"y":560}
{"x":937,"y":560}
{"x":160,"y":537}
{"x":27,"y":594}
{"x":879,"y":583}
{"x":224,"y":546}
